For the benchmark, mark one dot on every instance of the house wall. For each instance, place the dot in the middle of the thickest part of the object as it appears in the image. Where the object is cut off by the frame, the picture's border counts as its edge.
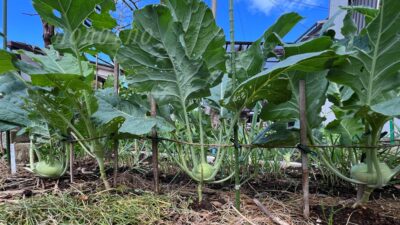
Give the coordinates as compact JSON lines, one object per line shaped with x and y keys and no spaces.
{"x":334,"y":9}
{"x":358,"y":18}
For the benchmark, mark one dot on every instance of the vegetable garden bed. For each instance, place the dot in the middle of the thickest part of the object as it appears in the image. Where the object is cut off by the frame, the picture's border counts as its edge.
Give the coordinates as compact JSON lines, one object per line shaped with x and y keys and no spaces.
{"x":25,"y":201}
{"x":182,"y":97}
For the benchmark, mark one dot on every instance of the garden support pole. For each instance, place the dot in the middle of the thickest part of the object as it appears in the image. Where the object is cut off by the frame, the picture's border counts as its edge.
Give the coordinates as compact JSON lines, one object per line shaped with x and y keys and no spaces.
{"x":71,"y":162}
{"x":2,"y":151}
{"x":116,"y":143}
{"x":154,"y":148}
{"x":4,"y":24}
{"x":235,"y":129}
{"x":8,"y":147}
{"x":303,"y":141}
{"x":392,"y":132}
{"x":214,"y":8}
{"x":237,"y":166}
{"x":4,"y":34}
{"x":154,"y":144}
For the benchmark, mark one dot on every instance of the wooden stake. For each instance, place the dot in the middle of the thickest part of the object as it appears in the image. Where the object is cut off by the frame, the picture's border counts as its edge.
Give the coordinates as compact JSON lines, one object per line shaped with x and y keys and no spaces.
{"x":13,"y":163}
{"x":116,"y":143}
{"x":71,"y":162}
{"x":1,"y":144}
{"x":154,"y":148}
{"x":8,"y":147}
{"x":154,"y":144}
{"x":303,"y":141}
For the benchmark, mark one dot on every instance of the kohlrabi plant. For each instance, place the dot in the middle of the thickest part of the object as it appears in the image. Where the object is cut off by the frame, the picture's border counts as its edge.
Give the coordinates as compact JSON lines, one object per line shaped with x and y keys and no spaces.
{"x":372,"y":74}
{"x":59,"y":81}
{"x":175,"y":52}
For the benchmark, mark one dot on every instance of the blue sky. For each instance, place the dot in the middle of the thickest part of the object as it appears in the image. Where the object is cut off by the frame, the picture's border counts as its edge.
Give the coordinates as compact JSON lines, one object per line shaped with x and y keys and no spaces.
{"x":252,"y":17}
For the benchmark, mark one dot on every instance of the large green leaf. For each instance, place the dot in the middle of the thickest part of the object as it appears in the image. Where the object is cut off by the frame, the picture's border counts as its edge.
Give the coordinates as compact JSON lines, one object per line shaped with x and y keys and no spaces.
{"x":135,"y":120}
{"x":349,"y":29}
{"x":64,"y":101}
{"x":52,"y":62}
{"x":313,"y":45}
{"x":203,"y":39}
{"x":284,"y":24}
{"x":388,"y":108}
{"x":277,"y":135}
{"x":280,"y":28}
{"x":56,"y":110}
{"x":160,"y":62}
{"x":339,"y":94}
{"x":7,"y":126}
{"x":273,"y":86}
{"x":316,"y":87}
{"x":6,"y":64}
{"x":249,"y":62}
{"x":70,"y":16}
{"x":373,"y":74}
{"x":347,"y":128}
{"x":219,"y":92}
{"x":252,"y":60}
{"x":12,"y":95}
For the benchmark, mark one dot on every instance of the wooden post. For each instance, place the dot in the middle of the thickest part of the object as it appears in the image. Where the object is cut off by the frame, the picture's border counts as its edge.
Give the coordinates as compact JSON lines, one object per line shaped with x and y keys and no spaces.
{"x":8,"y":147}
{"x":154,"y":148}
{"x":71,"y":162}
{"x":303,"y":141}
{"x":1,"y":144}
{"x":116,"y":143}
{"x":154,"y":144}
{"x":13,"y":163}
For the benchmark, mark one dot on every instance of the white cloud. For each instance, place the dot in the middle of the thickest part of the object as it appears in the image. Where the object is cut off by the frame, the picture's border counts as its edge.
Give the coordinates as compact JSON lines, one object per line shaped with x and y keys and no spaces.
{"x":266,"y":6}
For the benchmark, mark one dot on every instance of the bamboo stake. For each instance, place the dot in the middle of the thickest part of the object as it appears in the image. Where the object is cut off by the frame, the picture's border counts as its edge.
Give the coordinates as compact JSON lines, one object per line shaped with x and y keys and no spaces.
{"x":5,"y":10}
{"x":116,"y":143}
{"x":235,"y":129}
{"x":214,"y":8}
{"x":303,"y":141}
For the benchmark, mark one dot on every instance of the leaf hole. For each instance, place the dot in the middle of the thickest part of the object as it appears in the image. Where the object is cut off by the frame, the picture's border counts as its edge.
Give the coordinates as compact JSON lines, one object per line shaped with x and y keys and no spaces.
{"x":87,"y":23}
{"x":57,"y":13}
{"x":97,"y":9}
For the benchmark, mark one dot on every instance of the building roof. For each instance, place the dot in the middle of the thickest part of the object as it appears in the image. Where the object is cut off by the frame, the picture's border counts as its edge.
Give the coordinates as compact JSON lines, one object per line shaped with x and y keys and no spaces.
{"x":312,"y":32}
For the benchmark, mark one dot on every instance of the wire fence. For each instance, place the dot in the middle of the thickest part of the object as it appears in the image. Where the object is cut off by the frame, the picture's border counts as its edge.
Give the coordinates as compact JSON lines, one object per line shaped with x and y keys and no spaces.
{"x":249,"y":146}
